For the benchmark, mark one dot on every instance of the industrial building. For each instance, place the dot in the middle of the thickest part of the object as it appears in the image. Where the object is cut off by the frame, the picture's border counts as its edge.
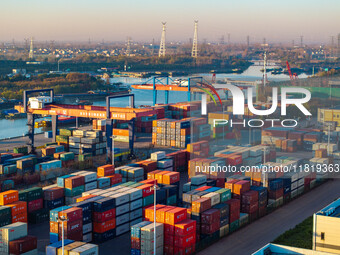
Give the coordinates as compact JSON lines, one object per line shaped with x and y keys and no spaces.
{"x":329,"y":115}
{"x":326,"y":236}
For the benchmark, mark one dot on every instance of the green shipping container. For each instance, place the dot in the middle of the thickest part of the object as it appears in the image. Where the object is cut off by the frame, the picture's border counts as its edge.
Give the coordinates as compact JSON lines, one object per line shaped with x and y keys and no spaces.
{"x":225,"y":194}
{"x":11,"y":169}
{"x":67,"y":156}
{"x":85,"y":156}
{"x":49,"y":144}
{"x":39,"y":216}
{"x":31,"y":194}
{"x":171,"y":200}
{"x":137,"y":184}
{"x":62,"y":138}
{"x":75,"y":191}
{"x":66,"y":132}
{"x":5,"y":212}
{"x":21,"y":149}
{"x":127,"y":184}
{"x":233,"y":226}
{"x":147,"y":200}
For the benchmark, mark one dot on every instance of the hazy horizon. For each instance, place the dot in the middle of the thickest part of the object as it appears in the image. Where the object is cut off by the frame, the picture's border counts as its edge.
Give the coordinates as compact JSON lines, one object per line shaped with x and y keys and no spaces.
{"x":111,"y":20}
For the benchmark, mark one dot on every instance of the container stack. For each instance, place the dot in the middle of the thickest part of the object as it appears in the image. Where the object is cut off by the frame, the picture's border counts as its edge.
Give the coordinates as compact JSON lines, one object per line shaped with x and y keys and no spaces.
{"x":234,"y":214}
{"x":275,"y":193}
{"x":93,"y":142}
{"x":104,"y":219}
{"x":99,"y":125}
{"x":34,"y":197}
{"x":262,"y":199}
{"x":250,"y":204}
{"x":53,"y":197}
{"x":17,"y":211}
{"x":219,"y":129}
{"x":136,"y":237}
{"x":179,"y":160}
{"x":147,"y":239}
{"x":14,"y":240}
{"x":198,"y":149}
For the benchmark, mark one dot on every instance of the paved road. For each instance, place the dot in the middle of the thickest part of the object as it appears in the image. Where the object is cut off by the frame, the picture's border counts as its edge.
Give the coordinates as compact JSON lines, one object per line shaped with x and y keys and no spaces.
{"x":265,"y":230}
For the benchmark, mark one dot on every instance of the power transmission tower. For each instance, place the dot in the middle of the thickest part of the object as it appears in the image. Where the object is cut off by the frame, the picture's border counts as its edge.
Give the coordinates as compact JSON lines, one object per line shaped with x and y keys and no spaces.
{"x":162,"y":45}
{"x":194,"y":52}
{"x":248,"y":41}
{"x":31,"y":53}
{"x":301,"y":41}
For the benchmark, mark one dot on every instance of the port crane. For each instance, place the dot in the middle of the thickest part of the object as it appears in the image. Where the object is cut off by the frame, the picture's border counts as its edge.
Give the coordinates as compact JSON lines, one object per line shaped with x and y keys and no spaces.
{"x":84,"y":111}
{"x":292,"y":76}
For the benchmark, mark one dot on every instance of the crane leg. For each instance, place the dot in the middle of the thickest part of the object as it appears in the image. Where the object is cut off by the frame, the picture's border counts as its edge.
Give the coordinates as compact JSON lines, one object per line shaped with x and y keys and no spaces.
{"x":54,"y":128}
{"x":109,"y":124}
{"x":30,"y":124}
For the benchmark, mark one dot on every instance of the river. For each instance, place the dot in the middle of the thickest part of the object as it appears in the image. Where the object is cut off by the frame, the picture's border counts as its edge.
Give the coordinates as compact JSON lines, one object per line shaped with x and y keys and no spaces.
{"x":13,"y":128}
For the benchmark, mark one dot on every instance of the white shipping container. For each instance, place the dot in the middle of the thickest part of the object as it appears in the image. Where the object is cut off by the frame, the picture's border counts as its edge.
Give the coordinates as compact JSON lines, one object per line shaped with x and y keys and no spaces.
{"x":148,"y":244}
{"x":13,"y":231}
{"x":121,"y":198}
{"x":136,"y":221}
{"x":147,"y":232}
{"x":135,"y":194}
{"x":122,"y":219}
{"x":86,"y":249}
{"x":87,"y":228}
{"x":122,"y":229}
{"x":90,"y":186}
{"x":136,"y":214}
{"x":79,"y":132}
{"x":136,"y":204}
{"x":159,"y":155}
{"x":90,"y":192}
{"x":301,"y":182}
{"x":87,"y":238}
{"x":122,"y":209}
{"x":89,"y":176}
{"x":215,"y":198}
{"x":88,"y":140}
{"x":74,"y":139}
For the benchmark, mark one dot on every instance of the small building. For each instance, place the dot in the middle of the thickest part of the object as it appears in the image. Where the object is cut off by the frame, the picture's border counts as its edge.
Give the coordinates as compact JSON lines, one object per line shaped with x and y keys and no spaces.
{"x":326,"y":232}
{"x":19,"y":71}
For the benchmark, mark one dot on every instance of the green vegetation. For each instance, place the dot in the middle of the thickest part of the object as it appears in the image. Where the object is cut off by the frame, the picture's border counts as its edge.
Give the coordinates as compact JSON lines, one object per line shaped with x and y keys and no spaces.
{"x":301,"y":236}
{"x":87,"y":62}
{"x":13,"y":87}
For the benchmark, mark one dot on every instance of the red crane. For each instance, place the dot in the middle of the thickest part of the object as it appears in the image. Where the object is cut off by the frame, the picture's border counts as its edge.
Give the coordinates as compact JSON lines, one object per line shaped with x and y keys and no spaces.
{"x":213,"y":78}
{"x":291,"y":76}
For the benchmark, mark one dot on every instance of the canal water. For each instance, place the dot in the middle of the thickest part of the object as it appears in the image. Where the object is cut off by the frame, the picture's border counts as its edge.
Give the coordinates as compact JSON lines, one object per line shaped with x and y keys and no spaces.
{"x":18,"y":127}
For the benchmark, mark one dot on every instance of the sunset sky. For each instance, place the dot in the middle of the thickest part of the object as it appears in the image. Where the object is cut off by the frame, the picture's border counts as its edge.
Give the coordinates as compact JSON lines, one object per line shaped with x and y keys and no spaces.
{"x":113,"y":20}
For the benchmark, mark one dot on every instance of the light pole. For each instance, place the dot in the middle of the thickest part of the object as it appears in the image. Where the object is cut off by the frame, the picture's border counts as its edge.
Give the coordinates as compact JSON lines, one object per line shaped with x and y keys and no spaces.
{"x":62,"y":219}
{"x":154,"y":188}
{"x":113,"y":149}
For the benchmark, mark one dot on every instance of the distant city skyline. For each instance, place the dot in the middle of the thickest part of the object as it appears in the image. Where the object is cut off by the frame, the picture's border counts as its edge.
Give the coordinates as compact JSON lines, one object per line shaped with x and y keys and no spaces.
{"x":112,"y":20}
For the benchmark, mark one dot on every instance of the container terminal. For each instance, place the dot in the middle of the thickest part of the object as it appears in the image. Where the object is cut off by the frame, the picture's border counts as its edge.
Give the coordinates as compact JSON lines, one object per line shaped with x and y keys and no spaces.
{"x":165,"y":179}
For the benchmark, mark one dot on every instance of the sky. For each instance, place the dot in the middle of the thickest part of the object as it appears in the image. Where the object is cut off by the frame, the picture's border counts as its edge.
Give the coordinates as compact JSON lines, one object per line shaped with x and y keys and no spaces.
{"x":115,"y":20}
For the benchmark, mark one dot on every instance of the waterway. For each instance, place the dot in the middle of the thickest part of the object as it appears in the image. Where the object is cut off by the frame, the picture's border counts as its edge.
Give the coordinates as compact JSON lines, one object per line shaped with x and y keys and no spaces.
{"x":18,"y":127}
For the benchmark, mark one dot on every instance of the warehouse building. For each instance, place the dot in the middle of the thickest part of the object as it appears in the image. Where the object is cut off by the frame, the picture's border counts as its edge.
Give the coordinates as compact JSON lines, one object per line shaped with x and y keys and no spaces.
{"x":326,"y":236}
{"x":329,"y":115}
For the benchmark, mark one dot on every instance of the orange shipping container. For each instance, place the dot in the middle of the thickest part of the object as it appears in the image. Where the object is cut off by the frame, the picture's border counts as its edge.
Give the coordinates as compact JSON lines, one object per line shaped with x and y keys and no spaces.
{"x":160,"y":214}
{"x":104,"y":226}
{"x":122,"y":132}
{"x":106,"y":170}
{"x":54,"y":227}
{"x":20,"y":218}
{"x":9,"y":197}
{"x":171,"y":178}
{"x":159,"y":176}
{"x":81,"y":199}
{"x":149,"y":215}
{"x":18,"y":207}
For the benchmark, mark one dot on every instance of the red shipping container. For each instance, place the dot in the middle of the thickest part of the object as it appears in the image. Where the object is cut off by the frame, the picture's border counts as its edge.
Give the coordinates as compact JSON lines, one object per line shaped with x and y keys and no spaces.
{"x":22,"y":217}
{"x":23,"y":245}
{"x":220,"y":182}
{"x":75,"y":236}
{"x":53,"y":193}
{"x":250,"y":197}
{"x":18,"y":207}
{"x":72,"y":214}
{"x":201,"y":205}
{"x":169,"y":229}
{"x":204,"y":188}
{"x":71,"y":226}
{"x":105,"y":170}
{"x":74,"y":181}
{"x":147,"y":189}
{"x":104,"y":216}
{"x":275,"y":194}
{"x":210,"y":216}
{"x":208,"y":229}
{"x":135,"y":243}
{"x":234,"y":159}
{"x":104,"y":226}
{"x":171,"y":178}
{"x":241,"y":187}
{"x":169,"y":239}
{"x":262,"y":211}
{"x":168,"y":250}
{"x":115,"y":178}
{"x":185,"y":241}
{"x":185,"y":251}
{"x":35,"y":205}
{"x":185,"y":227}
{"x":250,"y":208}
{"x":175,"y":215}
